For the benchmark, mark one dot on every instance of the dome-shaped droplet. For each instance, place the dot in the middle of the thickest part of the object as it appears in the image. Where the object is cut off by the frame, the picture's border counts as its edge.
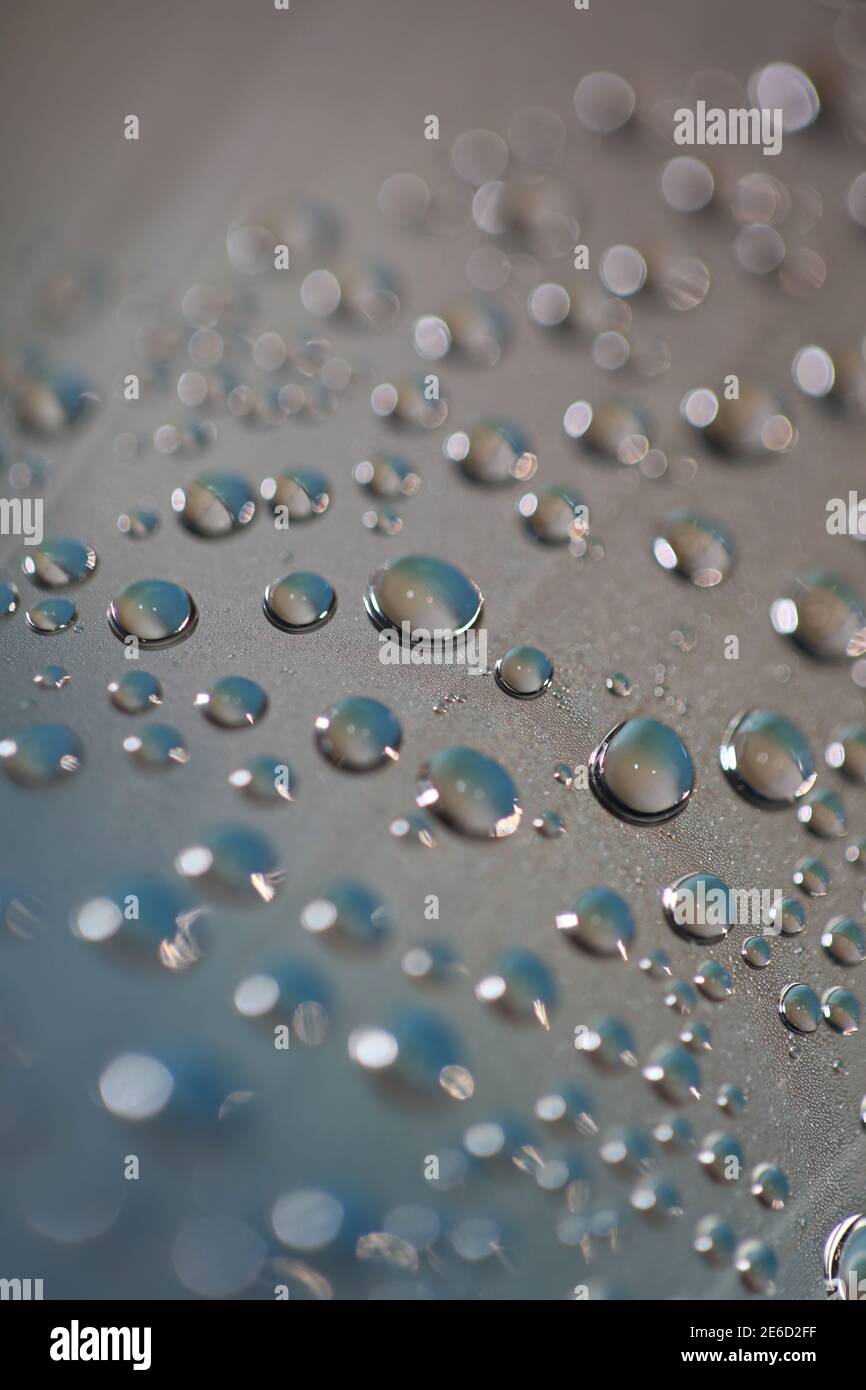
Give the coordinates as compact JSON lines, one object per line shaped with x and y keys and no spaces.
{"x":136,"y":692}
{"x":40,"y":754}
{"x":823,"y":812}
{"x":812,"y":876}
{"x":823,"y":615}
{"x":616,"y":430}
{"x":642,"y":771}
{"x":787,"y":916}
{"x":348,"y":912}
{"x":358,"y":734}
{"x":156,"y":612}
{"x":600,"y":921}
{"x":520,"y":983}
{"x":299,"y":602}
{"x":162,"y":929}
{"x":800,"y":1008}
{"x":303,"y":492}
{"x":714,"y":1239}
{"x":51,"y":615}
{"x":232,"y":702}
{"x":757,"y":1265}
{"x":52,"y":678}
{"x":618,"y":684}
{"x":721,"y":1155}
{"x":235,"y":860}
{"x":470,"y":792}
{"x":157,"y":746}
{"x":714,"y":980}
{"x":492,"y":453}
{"x":731,"y":1099}
{"x":386,"y":475}
{"x":215,"y":505}
{"x":674,"y":1073}
{"x":844,"y":940}
{"x":10,"y":599}
{"x":265,"y":779}
{"x":770,"y":1186}
{"x":523,"y":672}
{"x":698,"y":549}
{"x":425,"y":593}
{"x":55,"y":564}
{"x":554,"y":516}
{"x":754,"y":425}
{"x":756,"y":952}
{"x":847,"y":752}
{"x":841,"y":1009}
{"x":766,"y":758}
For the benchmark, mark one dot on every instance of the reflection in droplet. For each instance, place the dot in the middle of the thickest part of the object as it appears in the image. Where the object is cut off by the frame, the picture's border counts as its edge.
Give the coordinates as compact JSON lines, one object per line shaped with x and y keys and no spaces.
{"x":642,"y":772}
{"x":800,"y":1008}
{"x":812,"y":877}
{"x":492,"y":453}
{"x":215,"y":505}
{"x":470,"y":792}
{"x":847,"y":752}
{"x":265,"y":779}
{"x":426,"y":593}
{"x":157,"y":746}
{"x":304,"y":493}
{"x":41,"y":754}
{"x":358,"y":734}
{"x":235,"y":860}
{"x":554,"y":516}
{"x":674,"y":1073}
{"x":51,"y":615}
{"x":841,"y":1009}
{"x":600,"y":921}
{"x":823,"y":813}
{"x":136,"y":692}
{"x":766,"y":758}
{"x":348,"y":913}
{"x":757,"y":1264}
{"x":154,"y":611}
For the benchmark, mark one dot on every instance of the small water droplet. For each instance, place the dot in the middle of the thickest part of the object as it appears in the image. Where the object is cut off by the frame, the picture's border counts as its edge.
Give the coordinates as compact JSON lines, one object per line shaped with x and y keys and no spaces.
{"x":757,"y":1265}
{"x":235,"y":860}
{"x":386,"y":475}
{"x":714,"y":980}
{"x":720,"y":1154}
{"x":492,"y":453}
{"x":554,"y":516}
{"x":52,"y":678}
{"x":844,"y":940}
{"x":303,"y":492}
{"x":674,"y":1073}
{"x":847,"y":753}
{"x":524,"y":672}
{"x":756,"y":952}
{"x":136,"y":692}
{"x":265,"y":779}
{"x":299,"y":602}
{"x":618,"y":684}
{"x":348,"y":913}
{"x":714,"y":1239}
{"x":699,"y":907}
{"x":731,"y":1099}
{"x":788,"y":916}
{"x":549,"y":825}
{"x":770,"y":1186}
{"x":232,"y":702}
{"x":10,"y":599}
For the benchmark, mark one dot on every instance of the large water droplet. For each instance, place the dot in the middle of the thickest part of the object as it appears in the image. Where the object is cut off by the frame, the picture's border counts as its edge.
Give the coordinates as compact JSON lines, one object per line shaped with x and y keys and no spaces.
{"x":426,"y":593}
{"x":155,"y":611}
{"x":41,"y":754}
{"x":299,"y":602}
{"x":470,"y":792}
{"x":642,"y":772}
{"x":55,"y":564}
{"x":844,"y":940}
{"x":700,"y":907}
{"x":823,"y":615}
{"x":358,"y":734}
{"x":766,"y":758}
{"x":841,"y":1009}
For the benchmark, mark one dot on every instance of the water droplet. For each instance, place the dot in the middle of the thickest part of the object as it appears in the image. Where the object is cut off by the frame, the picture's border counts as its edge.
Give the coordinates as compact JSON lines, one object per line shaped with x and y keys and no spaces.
{"x":714,"y":980}
{"x":720,"y":1154}
{"x":715,"y":1240}
{"x":698,"y":549}
{"x":304,"y":493}
{"x":766,"y":758}
{"x":844,"y":940}
{"x":234,"y":860}
{"x":756,"y":952}
{"x":823,"y":813}
{"x":609,"y":1042}
{"x":642,"y":772}
{"x":52,"y":678}
{"x":138,"y":523}
{"x":699,"y":907}
{"x":549,"y":825}
{"x":386,"y":475}
{"x":51,"y":615}
{"x":697,"y":1036}
{"x":800,"y":1008}
{"x":788,"y":916}
{"x":656,"y":963}
{"x":349,"y":914}
{"x":731,"y":1099}
{"x":358,"y":734}
{"x":232,"y":702}
{"x":58,"y":563}
{"x":600,"y":921}
{"x":841,"y":1009}
{"x":407,"y":402}
{"x":160,"y":745}
{"x":492,"y":453}
{"x":604,"y":102}
{"x":426,"y":593}
{"x":155,"y":611}
{"x":757,"y":1265}
{"x":687,"y":184}
{"x":564,"y":774}
{"x":616,"y":430}
{"x":136,"y":1087}
{"x":674,"y":1073}
{"x":40,"y":754}
{"x":162,"y":929}
{"x":682,"y":997}
{"x":822,"y":615}
{"x":265,"y":779}
{"x":521,"y":984}
{"x":430,"y":962}
{"x":754,"y":425}
{"x":770,"y":1186}
{"x":845,"y":1257}
{"x":9,"y":599}
{"x":554,"y":516}
{"x":812,"y":877}
{"x":299,"y":602}
{"x":136,"y":692}
{"x":847,"y":752}
{"x":215,"y":505}
{"x":618,"y":684}
{"x":523,"y":672}
{"x":470,"y":792}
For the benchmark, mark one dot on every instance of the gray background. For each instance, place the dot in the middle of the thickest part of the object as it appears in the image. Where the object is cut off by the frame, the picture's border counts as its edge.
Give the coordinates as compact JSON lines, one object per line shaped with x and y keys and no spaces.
{"x":240,"y":108}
